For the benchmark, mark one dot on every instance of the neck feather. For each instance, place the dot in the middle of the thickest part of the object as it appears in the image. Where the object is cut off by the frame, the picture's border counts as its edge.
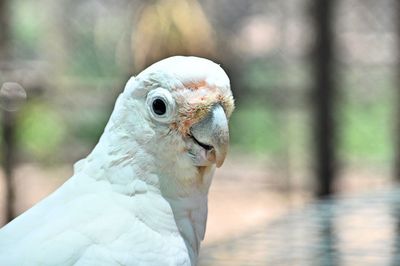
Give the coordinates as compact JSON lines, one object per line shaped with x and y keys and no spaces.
{"x":128,"y":157}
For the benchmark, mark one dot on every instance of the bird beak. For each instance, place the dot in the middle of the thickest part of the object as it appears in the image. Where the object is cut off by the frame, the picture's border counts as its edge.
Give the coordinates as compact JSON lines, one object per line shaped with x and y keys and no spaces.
{"x":212,"y":133}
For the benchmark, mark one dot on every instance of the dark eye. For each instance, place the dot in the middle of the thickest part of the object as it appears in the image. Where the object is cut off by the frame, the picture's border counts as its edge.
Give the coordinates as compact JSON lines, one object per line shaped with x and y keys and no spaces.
{"x":159,"y":107}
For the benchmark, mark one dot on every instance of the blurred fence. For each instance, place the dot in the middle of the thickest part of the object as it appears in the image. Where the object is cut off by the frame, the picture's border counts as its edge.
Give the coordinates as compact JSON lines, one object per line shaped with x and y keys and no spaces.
{"x":82,"y":53}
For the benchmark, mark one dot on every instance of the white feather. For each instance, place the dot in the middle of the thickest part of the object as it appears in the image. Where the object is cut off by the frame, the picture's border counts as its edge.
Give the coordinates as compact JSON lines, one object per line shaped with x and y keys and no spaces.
{"x":134,"y":200}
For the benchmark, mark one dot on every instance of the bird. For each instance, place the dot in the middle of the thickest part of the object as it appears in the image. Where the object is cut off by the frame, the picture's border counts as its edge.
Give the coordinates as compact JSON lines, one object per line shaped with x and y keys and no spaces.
{"x":140,"y":196}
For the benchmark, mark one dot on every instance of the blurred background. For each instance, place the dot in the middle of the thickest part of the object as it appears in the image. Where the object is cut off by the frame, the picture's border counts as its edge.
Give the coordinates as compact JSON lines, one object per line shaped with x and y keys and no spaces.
{"x":316,"y":85}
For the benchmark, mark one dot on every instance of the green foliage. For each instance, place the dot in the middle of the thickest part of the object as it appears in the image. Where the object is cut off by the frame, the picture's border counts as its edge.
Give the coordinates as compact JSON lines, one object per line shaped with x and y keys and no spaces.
{"x":263,"y":75}
{"x":366,"y":116}
{"x":40,"y":130}
{"x":366,"y":131}
{"x":256,"y":129}
{"x":26,"y":28}
{"x":84,"y":58}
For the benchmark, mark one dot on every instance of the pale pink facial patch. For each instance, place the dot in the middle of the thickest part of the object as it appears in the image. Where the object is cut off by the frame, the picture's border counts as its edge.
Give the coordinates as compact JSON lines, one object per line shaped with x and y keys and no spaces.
{"x":195,"y":103}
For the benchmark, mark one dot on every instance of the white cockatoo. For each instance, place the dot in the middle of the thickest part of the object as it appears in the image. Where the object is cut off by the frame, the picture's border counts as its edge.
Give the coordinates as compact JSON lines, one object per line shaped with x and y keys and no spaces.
{"x":140,"y":197}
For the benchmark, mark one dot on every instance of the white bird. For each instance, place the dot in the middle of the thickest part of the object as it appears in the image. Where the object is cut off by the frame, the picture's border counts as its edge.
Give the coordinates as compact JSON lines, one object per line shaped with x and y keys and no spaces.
{"x":140,"y":197}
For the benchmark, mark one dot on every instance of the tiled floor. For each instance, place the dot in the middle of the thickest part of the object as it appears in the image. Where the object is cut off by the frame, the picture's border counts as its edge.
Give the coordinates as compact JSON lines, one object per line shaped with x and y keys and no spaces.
{"x":356,"y":230}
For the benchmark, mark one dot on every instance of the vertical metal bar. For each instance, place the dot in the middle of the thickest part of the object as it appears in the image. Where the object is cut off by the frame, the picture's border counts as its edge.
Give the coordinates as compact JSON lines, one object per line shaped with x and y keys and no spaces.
{"x":8,"y":118}
{"x":5,"y":30}
{"x":324,"y":94}
{"x":8,"y":127}
{"x":397,"y":115}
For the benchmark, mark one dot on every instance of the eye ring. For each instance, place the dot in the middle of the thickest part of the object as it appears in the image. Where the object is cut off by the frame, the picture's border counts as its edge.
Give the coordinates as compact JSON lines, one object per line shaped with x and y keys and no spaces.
{"x":161,"y":105}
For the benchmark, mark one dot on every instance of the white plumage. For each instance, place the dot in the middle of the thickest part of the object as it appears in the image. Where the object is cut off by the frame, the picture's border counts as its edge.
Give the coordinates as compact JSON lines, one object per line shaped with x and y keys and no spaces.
{"x":140,"y":197}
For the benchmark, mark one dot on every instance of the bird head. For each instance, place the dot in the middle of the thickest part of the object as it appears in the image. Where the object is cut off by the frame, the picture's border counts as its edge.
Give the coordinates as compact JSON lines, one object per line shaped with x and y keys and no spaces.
{"x":169,"y":126}
{"x":186,"y":103}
